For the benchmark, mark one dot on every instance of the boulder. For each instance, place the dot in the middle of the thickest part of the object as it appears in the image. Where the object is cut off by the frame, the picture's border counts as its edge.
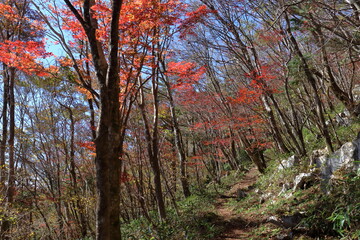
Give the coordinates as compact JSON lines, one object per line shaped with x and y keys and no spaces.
{"x":346,"y":158}
{"x":356,"y":92}
{"x":303,"y":180}
{"x":284,"y":236}
{"x":274,"y":220}
{"x":342,"y":120}
{"x":356,"y":154}
{"x":346,"y":113}
{"x":318,"y":157}
{"x":289,"y":221}
{"x":256,"y":190}
{"x":288,"y":163}
{"x":341,"y":159}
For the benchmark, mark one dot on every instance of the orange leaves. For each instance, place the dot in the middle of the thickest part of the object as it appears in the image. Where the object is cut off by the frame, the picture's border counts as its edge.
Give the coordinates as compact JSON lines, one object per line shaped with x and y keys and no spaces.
{"x":7,"y":12}
{"x":269,"y":37}
{"x":65,"y":62}
{"x":84,"y":91}
{"x":138,"y":17}
{"x":245,"y":96}
{"x":265,"y":79}
{"x":192,"y":18}
{"x":101,"y":10}
{"x":261,"y":82}
{"x":143,"y":22}
{"x":103,"y":14}
{"x":89,"y":146}
{"x":180,"y":68}
{"x":143,"y":25}
{"x":74,"y":26}
{"x":15,"y":20}
{"x":147,"y":14}
{"x":187,"y":74}
{"x":24,"y":56}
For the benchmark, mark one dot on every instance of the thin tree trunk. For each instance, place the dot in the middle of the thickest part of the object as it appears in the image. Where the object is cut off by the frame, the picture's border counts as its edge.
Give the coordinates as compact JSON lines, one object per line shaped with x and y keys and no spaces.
{"x":338,"y":92}
{"x":312,"y":81}
{"x":9,"y":83}
{"x":178,"y":143}
{"x":79,"y":205}
{"x":4,"y":136}
{"x":277,"y":135}
{"x":152,"y":148}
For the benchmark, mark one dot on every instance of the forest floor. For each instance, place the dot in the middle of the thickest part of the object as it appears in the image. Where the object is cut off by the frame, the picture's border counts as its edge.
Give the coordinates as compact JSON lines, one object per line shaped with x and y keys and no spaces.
{"x":235,"y":225}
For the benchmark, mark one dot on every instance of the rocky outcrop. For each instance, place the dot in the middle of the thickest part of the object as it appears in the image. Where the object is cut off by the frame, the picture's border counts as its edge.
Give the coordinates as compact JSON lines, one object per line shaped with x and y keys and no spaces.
{"x":324,"y":165}
{"x":286,"y":187}
{"x":356,"y":92}
{"x":344,"y":158}
{"x":303,"y":181}
{"x":288,"y":163}
{"x":264,"y":197}
{"x":340,"y":119}
{"x":356,"y":154}
{"x":318,"y":157}
{"x":289,"y":221}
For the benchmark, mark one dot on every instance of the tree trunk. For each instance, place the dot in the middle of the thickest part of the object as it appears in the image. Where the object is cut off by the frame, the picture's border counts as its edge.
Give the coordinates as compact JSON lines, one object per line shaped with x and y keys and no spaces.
{"x":178,"y":143}
{"x":277,"y":135}
{"x":4,"y":136}
{"x":152,"y":148}
{"x":108,"y":164}
{"x":255,"y":154}
{"x":110,"y":132}
{"x":312,"y":81}
{"x":9,"y":84}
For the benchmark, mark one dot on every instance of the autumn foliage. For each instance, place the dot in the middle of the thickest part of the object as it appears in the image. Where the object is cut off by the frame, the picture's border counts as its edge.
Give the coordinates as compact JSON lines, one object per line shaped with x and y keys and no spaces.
{"x":197,"y":90}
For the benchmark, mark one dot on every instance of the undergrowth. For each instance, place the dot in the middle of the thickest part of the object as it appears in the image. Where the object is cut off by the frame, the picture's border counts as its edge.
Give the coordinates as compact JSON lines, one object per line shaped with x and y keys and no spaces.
{"x":325,"y":216}
{"x":194,"y":222}
{"x":337,"y":213}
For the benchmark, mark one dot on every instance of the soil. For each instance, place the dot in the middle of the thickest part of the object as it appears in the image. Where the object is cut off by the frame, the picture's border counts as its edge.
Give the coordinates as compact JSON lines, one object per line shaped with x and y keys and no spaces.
{"x":237,"y":226}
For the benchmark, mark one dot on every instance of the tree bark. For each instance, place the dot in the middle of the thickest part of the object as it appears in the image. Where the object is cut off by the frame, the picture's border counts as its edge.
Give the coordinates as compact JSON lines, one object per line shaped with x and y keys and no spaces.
{"x":109,"y":135}
{"x":4,"y":136}
{"x":152,"y":148}
{"x":312,"y":81}
{"x":9,"y":84}
{"x":178,"y":143}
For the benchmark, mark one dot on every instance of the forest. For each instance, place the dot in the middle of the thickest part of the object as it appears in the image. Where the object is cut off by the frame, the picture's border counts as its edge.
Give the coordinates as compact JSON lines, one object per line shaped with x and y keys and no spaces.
{"x":179,"y":120}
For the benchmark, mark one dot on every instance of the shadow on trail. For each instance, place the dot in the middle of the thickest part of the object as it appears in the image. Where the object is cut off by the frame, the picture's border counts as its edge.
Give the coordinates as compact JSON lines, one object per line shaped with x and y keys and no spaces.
{"x":236,"y":227}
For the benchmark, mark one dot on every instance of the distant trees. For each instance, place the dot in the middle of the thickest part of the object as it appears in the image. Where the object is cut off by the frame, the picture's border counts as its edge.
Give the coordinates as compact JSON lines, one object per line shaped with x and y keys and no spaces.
{"x":288,"y":54}
{"x":20,"y":37}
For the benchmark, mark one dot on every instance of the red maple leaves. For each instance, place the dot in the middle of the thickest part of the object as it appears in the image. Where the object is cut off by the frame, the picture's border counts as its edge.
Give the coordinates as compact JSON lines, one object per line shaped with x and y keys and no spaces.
{"x":20,"y":54}
{"x":187,"y":74}
{"x":192,"y":19}
{"x":24,"y":56}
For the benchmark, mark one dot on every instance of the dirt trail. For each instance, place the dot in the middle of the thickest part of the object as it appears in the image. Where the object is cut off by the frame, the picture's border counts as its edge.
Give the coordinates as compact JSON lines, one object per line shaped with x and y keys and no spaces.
{"x":237,"y":226}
